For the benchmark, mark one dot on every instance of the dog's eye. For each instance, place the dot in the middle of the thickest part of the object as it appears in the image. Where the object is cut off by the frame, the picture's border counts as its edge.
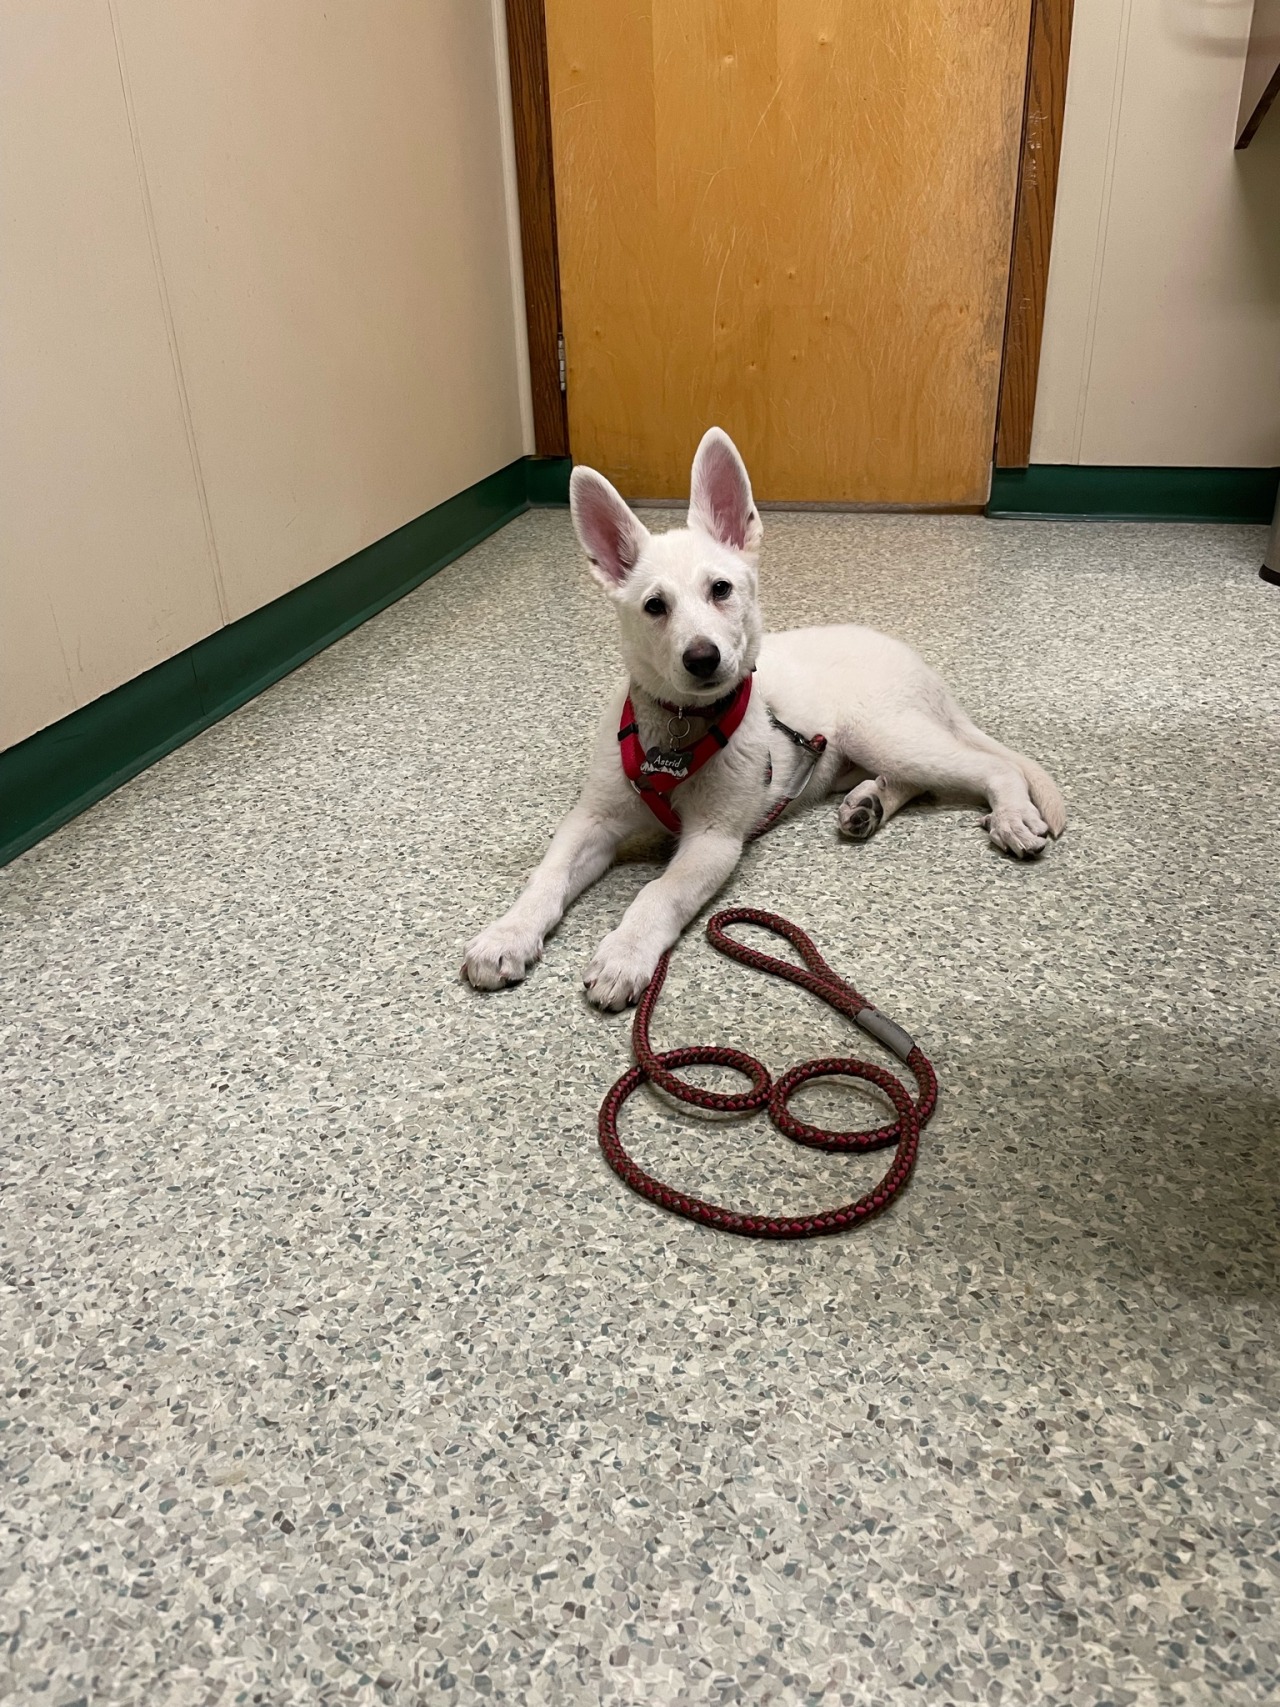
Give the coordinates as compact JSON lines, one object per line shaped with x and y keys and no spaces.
{"x":656,"y":606}
{"x":720,"y":590}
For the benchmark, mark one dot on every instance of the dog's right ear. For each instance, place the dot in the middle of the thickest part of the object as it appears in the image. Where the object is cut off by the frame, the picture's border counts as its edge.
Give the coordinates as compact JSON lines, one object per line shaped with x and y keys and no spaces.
{"x":608,"y":531}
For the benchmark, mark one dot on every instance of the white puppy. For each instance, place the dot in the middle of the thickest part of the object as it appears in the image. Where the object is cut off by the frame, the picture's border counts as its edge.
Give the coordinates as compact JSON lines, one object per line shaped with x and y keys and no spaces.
{"x":691,"y":635}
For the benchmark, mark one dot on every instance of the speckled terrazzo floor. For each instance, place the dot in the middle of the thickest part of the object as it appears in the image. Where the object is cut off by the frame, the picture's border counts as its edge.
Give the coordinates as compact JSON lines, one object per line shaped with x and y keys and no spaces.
{"x":338,"y":1368}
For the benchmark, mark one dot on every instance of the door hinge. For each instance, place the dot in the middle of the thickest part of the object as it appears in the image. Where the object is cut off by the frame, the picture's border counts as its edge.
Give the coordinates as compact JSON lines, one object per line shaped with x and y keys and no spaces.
{"x":564,"y":385}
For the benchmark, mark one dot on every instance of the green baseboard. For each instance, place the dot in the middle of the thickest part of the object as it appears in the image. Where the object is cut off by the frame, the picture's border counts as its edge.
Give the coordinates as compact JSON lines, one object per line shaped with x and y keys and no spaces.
{"x":58,"y":772}
{"x":547,"y":479}
{"x":1064,"y":490}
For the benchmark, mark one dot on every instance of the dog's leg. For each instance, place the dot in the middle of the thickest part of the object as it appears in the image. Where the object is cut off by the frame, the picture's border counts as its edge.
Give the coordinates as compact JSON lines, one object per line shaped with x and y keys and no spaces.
{"x":581,"y":850}
{"x":872,"y":803}
{"x":1014,"y":823}
{"x":625,"y":960}
{"x":1044,"y":791}
{"x":921,"y":753}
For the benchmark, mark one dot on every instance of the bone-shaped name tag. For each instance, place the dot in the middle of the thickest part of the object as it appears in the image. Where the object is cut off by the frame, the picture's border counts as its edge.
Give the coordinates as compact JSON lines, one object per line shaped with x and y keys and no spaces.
{"x":658,"y":763}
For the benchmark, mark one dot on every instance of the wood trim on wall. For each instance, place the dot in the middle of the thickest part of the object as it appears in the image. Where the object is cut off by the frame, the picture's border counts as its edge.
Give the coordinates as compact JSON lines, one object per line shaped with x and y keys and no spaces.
{"x":1048,"y":50}
{"x":1261,"y":82}
{"x":531,"y":112}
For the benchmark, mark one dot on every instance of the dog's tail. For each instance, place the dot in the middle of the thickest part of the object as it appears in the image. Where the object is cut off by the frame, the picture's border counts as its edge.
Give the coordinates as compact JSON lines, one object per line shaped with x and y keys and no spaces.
{"x":1043,"y":790}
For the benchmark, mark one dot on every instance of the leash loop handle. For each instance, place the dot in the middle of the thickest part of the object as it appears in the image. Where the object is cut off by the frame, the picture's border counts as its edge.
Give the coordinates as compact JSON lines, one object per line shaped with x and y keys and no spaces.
{"x":660,"y":1068}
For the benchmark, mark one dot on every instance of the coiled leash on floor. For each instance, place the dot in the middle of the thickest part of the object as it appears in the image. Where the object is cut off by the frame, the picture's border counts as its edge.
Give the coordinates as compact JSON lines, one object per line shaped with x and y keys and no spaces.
{"x":774,"y":1095}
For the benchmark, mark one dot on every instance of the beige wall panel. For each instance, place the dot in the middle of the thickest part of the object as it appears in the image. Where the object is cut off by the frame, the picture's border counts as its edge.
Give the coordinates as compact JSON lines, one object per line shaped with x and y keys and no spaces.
{"x":104,"y":565}
{"x":1162,"y":324}
{"x":35,"y":679}
{"x":330,"y":207}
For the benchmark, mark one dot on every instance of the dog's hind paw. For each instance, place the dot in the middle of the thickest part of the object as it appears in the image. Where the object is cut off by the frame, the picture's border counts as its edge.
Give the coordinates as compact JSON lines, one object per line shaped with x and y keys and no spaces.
{"x":1019,"y":831}
{"x":862,"y":810}
{"x":500,"y":955}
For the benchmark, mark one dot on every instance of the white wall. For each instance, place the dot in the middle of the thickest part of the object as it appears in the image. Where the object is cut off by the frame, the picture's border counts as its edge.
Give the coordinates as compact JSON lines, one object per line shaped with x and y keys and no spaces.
{"x":1162,"y":324}
{"x":258,"y":308}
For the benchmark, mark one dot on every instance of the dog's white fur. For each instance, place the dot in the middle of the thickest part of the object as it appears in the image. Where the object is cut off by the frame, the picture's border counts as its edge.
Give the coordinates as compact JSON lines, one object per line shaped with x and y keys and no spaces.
{"x":893,"y":729}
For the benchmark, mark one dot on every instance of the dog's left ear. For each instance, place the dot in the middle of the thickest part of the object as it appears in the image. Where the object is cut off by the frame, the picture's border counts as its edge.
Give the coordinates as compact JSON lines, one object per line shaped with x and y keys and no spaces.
{"x":720,"y":501}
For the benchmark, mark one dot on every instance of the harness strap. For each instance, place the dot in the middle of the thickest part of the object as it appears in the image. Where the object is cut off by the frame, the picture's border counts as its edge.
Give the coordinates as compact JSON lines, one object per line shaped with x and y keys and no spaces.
{"x":815,"y":747}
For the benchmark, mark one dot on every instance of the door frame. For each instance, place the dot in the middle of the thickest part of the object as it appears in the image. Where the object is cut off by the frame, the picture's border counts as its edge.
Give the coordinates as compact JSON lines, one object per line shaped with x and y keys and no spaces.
{"x":1040,"y":148}
{"x":535,"y":188}
{"x":1048,"y":50}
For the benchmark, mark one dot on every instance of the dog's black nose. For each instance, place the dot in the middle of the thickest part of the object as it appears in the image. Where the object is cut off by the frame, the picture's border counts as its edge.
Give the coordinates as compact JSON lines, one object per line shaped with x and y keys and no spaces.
{"x":702,"y":659}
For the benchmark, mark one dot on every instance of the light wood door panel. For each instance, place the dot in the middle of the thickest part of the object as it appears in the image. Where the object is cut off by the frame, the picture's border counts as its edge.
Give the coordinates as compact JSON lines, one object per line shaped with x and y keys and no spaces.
{"x":790,"y":218}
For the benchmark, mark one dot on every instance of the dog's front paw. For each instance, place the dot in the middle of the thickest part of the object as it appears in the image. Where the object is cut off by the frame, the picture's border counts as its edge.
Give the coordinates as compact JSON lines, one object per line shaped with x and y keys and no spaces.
{"x":620,"y":972}
{"x":501,"y":955}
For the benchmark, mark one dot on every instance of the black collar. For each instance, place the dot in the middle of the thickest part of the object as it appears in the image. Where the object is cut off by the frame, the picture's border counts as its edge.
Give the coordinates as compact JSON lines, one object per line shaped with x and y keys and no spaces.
{"x":709,"y":712}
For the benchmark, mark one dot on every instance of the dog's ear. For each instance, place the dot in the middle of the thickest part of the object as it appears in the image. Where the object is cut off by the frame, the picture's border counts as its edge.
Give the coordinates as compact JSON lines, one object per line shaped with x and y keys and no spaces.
{"x":609,"y":533}
{"x":720,"y":501}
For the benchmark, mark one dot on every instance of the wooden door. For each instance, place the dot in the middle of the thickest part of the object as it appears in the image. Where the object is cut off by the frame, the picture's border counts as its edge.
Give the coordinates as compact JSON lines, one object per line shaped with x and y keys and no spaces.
{"x":790,"y":218}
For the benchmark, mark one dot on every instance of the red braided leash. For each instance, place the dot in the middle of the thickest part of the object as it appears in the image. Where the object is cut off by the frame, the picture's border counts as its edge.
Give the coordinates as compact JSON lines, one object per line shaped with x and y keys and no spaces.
{"x":818,"y":978}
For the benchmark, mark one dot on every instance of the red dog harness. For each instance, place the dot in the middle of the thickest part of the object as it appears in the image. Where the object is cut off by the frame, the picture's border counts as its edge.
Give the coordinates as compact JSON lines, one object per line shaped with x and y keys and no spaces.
{"x":656,"y":775}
